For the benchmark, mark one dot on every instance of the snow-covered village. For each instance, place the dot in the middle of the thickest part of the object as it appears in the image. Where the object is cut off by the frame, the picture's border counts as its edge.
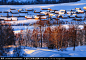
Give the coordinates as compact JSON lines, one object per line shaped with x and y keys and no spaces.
{"x":43,"y":28}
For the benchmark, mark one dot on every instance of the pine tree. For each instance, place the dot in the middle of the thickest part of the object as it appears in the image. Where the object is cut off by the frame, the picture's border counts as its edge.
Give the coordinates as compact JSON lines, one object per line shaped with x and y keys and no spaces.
{"x":7,"y":36}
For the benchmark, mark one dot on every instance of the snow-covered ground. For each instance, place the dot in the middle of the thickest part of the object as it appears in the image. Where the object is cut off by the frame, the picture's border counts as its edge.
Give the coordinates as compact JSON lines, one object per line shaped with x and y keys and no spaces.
{"x":80,"y":51}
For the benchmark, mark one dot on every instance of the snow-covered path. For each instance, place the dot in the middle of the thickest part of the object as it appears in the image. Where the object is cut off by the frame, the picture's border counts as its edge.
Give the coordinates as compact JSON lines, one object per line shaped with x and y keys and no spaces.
{"x":45,"y":53}
{"x":80,"y":51}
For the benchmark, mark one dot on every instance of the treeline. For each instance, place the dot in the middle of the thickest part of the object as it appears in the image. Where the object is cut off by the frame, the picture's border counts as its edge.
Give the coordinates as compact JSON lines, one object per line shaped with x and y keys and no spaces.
{"x":57,"y":37}
{"x":55,"y":1}
{"x":13,"y":2}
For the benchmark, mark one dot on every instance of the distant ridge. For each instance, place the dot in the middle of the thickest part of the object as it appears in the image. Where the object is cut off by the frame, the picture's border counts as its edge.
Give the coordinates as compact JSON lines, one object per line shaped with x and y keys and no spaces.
{"x":30,"y":2}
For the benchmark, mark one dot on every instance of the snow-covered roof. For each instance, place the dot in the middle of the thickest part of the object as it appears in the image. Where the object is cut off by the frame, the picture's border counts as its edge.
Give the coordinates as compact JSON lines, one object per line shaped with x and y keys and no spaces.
{"x":80,"y":10}
{"x":56,"y":11}
{"x":7,"y":18}
{"x":13,"y":14}
{"x":62,"y":10}
{"x":23,"y":21}
{"x":36,"y":17}
{"x":77,"y":8}
{"x":22,"y":14}
{"x":43,"y":12}
{"x":44,"y":17}
{"x":14,"y":18}
{"x":3,"y":17}
{"x":3,"y":14}
{"x":81,"y":15}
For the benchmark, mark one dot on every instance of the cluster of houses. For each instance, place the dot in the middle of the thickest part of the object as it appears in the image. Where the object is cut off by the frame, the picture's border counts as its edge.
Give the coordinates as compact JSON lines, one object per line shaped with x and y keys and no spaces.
{"x":45,"y":14}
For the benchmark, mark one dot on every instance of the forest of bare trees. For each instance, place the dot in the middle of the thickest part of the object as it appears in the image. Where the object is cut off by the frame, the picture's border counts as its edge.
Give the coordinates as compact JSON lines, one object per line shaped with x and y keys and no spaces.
{"x":57,"y":37}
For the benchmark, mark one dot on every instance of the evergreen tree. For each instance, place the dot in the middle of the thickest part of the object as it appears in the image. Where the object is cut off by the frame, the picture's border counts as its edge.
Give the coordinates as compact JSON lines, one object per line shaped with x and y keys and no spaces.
{"x":7,"y":36}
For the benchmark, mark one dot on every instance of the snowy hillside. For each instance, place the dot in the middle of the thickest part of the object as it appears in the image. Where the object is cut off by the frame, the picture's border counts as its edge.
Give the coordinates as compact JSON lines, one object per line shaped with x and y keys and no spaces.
{"x":80,"y":51}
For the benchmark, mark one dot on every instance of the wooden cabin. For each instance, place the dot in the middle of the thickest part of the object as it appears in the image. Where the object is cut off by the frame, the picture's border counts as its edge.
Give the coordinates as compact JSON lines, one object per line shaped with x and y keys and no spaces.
{"x":64,"y":16}
{"x":29,"y":9}
{"x":5,"y":11}
{"x":59,"y":16}
{"x":52,"y":11}
{"x":47,"y":9}
{"x":43,"y":9}
{"x":14,"y":19}
{"x":51,"y":14}
{"x":40,"y":14}
{"x":62,"y":11}
{"x":2,"y":18}
{"x":56,"y":12}
{"x":20,"y":10}
{"x":79,"y":11}
{"x":7,"y":19}
{"x":13,"y":9}
{"x":3,"y":14}
{"x":28,"y":17}
{"x":43,"y":17}
{"x":54,"y":17}
{"x":15,"y":15}
{"x":23,"y":12}
{"x":36,"y":11}
{"x":68,"y":11}
{"x":73,"y":16}
{"x":14,"y":12}
{"x":22,"y":15}
{"x":78,"y":19}
{"x":43,"y":12}
{"x":78,"y":8}
{"x":36,"y":17}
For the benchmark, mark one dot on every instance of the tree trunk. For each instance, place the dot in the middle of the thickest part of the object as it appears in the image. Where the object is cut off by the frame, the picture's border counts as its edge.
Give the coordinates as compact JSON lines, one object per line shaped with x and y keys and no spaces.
{"x":56,"y":44}
{"x":74,"y":39}
{"x":74,"y":46}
